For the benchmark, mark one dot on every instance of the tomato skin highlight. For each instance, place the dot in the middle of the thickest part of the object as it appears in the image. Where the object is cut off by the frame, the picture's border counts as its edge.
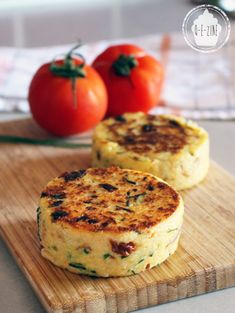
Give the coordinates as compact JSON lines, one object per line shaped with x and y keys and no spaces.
{"x":140,"y":90}
{"x":54,"y":106}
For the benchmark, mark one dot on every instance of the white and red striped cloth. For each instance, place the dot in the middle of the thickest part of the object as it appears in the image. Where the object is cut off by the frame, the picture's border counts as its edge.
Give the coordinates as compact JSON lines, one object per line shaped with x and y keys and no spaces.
{"x":197,"y":85}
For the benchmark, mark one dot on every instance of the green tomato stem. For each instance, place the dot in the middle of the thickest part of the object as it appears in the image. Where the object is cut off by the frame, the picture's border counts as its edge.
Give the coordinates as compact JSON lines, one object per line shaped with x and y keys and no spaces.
{"x":124,"y":64}
{"x":68,"y":69}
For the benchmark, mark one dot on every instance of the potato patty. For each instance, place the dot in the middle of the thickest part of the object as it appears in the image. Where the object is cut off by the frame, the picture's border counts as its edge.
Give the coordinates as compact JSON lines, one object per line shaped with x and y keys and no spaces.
{"x":103,"y":222}
{"x":167,"y":146}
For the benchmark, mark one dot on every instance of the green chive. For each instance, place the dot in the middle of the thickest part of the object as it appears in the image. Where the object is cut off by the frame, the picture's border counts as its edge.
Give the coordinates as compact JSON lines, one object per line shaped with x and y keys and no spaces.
{"x":43,"y":142}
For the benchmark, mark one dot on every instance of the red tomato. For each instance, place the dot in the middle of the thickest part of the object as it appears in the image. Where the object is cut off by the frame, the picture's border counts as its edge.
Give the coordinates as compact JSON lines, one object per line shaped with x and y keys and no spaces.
{"x":132,"y":77}
{"x":67,"y":97}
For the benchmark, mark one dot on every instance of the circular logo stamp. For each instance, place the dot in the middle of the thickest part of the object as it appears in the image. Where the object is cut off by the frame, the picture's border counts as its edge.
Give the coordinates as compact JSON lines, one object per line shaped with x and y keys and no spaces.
{"x":206,"y":28}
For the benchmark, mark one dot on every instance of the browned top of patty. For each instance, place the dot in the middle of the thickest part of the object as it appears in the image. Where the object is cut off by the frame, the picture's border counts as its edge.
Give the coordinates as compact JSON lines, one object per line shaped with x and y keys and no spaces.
{"x":142,"y":133}
{"x":111,"y":199}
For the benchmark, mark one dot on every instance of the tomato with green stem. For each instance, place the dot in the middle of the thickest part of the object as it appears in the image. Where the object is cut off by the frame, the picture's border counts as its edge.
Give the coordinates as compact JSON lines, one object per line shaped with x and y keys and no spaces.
{"x":67,"y":96}
{"x":133,"y":78}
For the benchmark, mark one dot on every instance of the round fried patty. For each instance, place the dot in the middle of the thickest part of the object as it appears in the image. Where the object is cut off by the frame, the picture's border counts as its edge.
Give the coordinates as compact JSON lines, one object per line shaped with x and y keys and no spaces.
{"x":111,"y":199}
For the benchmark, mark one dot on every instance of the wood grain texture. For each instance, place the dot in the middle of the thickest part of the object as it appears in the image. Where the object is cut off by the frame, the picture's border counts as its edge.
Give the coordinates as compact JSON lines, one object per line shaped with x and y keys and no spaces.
{"x":204,"y":261}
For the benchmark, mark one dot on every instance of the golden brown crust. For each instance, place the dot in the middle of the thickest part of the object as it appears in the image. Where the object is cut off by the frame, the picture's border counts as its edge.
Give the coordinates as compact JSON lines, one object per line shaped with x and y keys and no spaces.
{"x":111,"y":199}
{"x":151,"y":133}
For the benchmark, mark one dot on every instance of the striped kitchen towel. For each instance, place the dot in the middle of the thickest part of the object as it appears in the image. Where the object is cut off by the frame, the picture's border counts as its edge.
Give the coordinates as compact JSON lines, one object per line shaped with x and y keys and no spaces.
{"x":197,"y":85}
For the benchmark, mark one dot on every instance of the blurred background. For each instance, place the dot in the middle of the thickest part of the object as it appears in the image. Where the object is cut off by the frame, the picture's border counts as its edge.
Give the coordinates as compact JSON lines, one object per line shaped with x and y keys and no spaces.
{"x":31,"y":23}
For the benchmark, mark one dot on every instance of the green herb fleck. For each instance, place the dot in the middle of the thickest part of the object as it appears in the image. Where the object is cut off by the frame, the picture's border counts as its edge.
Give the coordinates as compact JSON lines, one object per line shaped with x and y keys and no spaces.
{"x":69,"y":255}
{"x":130,"y":181}
{"x":173,"y":229}
{"x":151,"y":254}
{"x":58,"y":196}
{"x":124,"y":209}
{"x":86,"y":250}
{"x":140,"y":261}
{"x":124,"y":256}
{"x":38,"y":215}
{"x":106,"y":256}
{"x":120,"y":118}
{"x":98,"y":155}
{"x":54,"y":248}
{"x":135,"y":197}
{"x":38,"y":220}
{"x":133,"y":272}
{"x":78,"y":265}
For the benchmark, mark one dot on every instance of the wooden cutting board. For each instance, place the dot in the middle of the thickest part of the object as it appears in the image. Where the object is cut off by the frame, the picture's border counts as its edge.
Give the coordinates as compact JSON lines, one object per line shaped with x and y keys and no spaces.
{"x":204,"y":261}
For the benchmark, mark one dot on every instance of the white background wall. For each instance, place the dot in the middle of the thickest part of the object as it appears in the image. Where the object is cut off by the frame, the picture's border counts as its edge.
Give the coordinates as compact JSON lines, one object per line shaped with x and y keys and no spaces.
{"x":30,"y":23}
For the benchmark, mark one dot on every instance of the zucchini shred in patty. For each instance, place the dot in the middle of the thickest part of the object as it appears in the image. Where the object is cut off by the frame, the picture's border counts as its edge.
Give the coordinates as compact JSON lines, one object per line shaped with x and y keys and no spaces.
{"x":167,"y":146}
{"x":109,"y":221}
